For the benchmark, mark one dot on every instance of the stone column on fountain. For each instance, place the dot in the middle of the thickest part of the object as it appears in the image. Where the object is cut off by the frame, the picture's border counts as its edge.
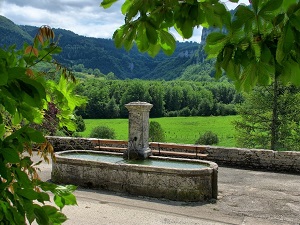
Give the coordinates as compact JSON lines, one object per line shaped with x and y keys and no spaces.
{"x":138,"y":143}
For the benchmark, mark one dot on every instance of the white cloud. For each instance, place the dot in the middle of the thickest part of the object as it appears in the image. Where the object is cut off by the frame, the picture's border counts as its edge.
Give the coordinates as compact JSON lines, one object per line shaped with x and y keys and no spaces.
{"x":82,"y":17}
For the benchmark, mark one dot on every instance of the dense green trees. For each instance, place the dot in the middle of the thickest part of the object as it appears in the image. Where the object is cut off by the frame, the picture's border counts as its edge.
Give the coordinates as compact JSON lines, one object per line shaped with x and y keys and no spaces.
{"x":84,"y":53}
{"x":262,"y":127}
{"x":169,"y":98}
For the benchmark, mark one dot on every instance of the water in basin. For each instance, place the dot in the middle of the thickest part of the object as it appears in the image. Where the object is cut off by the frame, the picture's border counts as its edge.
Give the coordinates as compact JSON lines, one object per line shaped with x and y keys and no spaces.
{"x":146,"y":162}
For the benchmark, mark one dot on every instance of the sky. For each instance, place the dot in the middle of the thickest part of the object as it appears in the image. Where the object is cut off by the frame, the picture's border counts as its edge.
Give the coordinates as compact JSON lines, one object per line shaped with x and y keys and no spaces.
{"x":83,"y":17}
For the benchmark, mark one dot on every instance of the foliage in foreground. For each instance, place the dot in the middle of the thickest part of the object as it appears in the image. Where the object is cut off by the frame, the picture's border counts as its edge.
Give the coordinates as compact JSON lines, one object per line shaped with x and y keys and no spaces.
{"x":261,"y":42}
{"x":24,"y":96}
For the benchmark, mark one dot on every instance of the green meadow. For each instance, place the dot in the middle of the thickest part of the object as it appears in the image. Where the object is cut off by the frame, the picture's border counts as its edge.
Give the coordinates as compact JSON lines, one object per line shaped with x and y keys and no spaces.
{"x":183,"y":130}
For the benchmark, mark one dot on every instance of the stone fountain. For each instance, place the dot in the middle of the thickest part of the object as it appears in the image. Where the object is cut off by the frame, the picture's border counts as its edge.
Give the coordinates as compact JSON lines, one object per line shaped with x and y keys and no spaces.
{"x":196,"y":181}
{"x":138,"y":144}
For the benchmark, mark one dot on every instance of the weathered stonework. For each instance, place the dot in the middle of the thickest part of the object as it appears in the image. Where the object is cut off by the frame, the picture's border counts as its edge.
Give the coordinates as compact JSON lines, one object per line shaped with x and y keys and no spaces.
{"x":240,"y":157}
{"x":138,"y":144}
{"x":170,"y":183}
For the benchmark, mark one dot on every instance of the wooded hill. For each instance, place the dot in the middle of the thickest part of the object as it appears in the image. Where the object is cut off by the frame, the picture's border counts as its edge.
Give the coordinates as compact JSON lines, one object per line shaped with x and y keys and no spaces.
{"x":102,"y":54}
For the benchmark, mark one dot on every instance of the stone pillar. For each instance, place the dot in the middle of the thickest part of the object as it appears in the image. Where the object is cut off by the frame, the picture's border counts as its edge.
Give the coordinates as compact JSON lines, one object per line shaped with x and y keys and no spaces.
{"x":138,"y":143}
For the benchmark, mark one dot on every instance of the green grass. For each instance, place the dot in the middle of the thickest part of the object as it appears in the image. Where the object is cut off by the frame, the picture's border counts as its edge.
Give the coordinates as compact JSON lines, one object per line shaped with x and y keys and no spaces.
{"x":183,"y":130}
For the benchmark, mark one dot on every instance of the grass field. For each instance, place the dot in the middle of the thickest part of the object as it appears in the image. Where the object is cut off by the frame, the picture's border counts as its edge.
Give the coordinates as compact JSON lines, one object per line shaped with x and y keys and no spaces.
{"x":183,"y":130}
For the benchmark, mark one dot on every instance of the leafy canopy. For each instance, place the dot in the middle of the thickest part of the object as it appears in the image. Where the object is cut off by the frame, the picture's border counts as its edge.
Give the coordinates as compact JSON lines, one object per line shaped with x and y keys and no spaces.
{"x":24,"y":95}
{"x":261,"y":40}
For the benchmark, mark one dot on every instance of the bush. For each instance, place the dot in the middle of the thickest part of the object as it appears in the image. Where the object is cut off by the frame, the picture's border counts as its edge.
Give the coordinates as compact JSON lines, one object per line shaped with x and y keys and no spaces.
{"x":185,"y":112}
{"x":208,"y":138}
{"x":103,"y":132}
{"x":80,"y":125}
{"x":156,"y":133}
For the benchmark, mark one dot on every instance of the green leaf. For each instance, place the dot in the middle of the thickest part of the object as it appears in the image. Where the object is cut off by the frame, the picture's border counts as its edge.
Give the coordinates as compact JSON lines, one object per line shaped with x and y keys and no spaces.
{"x":16,"y":119}
{"x":217,"y":45}
{"x":287,"y":3}
{"x":2,"y":130}
{"x":34,"y":89}
{"x":167,"y":42}
{"x":232,"y":70}
{"x":256,"y":72}
{"x":4,"y":171}
{"x":35,"y":136}
{"x":65,"y":190}
{"x":31,"y":114}
{"x":269,"y":10}
{"x":294,"y":20}
{"x":107,"y":3}
{"x":9,"y":104}
{"x":151,"y":33}
{"x":215,"y":37}
{"x":125,"y":7}
{"x":154,"y":50}
{"x":59,"y":201}
{"x":133,"y":10}
{"x":10,"y":155}
{"x":54,"y":215}
{"x":278,"y":19}
{"x":29,"y":206}
{"x":242,"y":16}
{"x":69,"y":199}
{"x":27,"y":193}
{"x":63,"y":196}
{"x":3,"y":72}
{"x":42,"y":197}
{"x":257,"y":50}
{"x":46,"y":186}
{"x":291,"y":72}
{"x":41,"y":216}
{"x":285,"y":43}
{"x":187,"y":29}
{"x":23,"y":178}
{"x":255,"y":5}
{"x":142,"y":41}
{"x":265,"y":72}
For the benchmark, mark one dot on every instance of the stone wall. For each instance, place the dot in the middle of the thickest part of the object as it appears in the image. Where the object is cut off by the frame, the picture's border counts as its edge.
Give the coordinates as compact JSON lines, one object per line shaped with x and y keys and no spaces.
{"x":287,"y":161}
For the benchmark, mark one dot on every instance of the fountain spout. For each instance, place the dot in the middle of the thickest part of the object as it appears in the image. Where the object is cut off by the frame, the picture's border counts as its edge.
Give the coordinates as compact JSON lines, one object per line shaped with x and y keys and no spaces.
{"x":138,"y":143}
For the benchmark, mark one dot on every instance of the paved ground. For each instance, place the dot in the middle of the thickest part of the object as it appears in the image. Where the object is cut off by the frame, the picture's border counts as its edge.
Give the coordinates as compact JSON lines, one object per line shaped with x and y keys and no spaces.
{"x":245,"y":197}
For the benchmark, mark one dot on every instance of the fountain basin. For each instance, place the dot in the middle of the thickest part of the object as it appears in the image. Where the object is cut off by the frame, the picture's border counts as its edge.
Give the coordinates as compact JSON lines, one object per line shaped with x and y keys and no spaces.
{"x":185,"y":183}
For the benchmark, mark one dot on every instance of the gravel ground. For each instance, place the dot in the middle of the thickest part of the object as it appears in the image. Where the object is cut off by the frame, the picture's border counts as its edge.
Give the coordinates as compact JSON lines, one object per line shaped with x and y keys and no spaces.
{"x":245,"y":197}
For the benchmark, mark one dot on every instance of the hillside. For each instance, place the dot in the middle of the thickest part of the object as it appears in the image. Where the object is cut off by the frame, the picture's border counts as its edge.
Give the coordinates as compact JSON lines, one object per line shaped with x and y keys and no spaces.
{"x":102,"y":54}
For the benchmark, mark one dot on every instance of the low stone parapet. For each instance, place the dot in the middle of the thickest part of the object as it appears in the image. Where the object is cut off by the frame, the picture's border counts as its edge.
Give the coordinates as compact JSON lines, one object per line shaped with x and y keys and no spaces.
{"x":288,"y":161}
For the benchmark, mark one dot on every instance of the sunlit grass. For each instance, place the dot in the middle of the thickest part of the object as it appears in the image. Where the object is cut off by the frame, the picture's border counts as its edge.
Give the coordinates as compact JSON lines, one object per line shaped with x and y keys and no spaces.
{"x":184,"y":130}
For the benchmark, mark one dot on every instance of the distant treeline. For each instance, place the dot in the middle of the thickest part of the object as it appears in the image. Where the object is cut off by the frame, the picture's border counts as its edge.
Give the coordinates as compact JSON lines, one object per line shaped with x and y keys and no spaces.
{"x":107,"y":98}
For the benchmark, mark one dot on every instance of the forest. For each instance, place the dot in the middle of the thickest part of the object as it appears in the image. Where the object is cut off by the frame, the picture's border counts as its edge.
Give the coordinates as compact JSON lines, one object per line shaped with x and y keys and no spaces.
{"x":101,"y":54}
{"x":107,"y":98}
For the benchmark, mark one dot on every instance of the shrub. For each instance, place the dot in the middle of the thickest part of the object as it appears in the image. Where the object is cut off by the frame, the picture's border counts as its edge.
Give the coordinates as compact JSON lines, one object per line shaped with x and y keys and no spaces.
{"x":103,"y":132}
{"x":208,"y":138}
{"x":156,"y":133}
{"x":80,"y":125}
{"x":185,"y":112}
